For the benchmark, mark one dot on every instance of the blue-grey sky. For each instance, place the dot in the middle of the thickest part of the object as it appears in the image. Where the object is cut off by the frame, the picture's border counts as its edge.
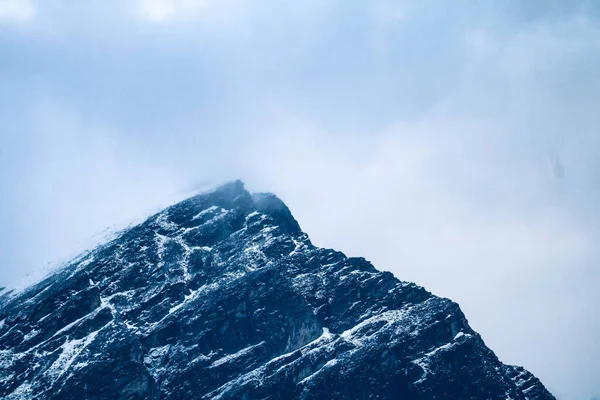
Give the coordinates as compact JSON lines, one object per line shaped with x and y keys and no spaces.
{"x":454,"y":143}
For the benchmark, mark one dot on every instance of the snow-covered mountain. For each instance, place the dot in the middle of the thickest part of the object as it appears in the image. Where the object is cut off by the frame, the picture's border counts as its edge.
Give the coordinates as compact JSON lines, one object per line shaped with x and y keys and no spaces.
{"x":222,"y":296}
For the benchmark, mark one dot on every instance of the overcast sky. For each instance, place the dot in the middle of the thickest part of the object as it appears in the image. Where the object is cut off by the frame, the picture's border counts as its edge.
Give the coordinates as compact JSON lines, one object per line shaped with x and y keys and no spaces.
{"x":454,"y":143}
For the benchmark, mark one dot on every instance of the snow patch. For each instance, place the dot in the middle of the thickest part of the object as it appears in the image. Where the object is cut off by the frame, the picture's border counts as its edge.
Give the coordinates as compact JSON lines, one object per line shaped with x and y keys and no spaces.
{"x":235,"y":355}
{"x":208,"y":210}
{"x":70,"y":351}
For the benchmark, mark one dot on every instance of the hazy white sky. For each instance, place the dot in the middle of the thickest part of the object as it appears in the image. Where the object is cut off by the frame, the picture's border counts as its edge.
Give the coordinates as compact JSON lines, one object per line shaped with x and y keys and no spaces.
{"x":454,"y":143}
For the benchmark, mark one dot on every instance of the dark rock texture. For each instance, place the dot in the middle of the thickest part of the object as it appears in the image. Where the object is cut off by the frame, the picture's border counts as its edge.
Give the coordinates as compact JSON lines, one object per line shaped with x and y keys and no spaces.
{"x":222,"y":296}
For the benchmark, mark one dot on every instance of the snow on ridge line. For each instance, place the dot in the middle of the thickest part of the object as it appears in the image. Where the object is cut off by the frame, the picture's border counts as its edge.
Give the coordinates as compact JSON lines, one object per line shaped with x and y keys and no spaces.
{"x":328,"y":364}
{"x":229,"y":357}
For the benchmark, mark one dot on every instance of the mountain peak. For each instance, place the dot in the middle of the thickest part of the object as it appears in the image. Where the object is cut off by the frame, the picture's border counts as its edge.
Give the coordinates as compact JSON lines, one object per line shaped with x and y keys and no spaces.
{"x":222,"y":296}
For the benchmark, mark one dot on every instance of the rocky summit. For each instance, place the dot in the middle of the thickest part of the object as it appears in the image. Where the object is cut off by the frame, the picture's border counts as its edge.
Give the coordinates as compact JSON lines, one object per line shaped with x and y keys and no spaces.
{"x":222,"y":296}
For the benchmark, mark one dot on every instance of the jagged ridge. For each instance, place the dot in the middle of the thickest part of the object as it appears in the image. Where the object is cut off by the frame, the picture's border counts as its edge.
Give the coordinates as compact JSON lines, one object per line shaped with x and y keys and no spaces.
{"x":223,"y":296}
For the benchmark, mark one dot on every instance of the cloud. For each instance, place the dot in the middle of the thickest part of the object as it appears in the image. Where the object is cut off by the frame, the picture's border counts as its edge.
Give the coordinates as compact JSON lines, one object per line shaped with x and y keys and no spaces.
{"x":164,"y":11}
{"x":160,"y":10}
{"x":16,"y":10}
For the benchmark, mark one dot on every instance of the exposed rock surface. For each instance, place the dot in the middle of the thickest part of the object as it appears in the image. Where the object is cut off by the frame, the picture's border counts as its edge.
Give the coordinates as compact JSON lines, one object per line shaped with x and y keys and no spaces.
{"x":222,"y":296}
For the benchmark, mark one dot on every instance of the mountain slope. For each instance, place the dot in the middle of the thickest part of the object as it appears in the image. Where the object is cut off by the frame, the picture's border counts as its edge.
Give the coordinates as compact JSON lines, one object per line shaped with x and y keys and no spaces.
{"x":222,"y":296}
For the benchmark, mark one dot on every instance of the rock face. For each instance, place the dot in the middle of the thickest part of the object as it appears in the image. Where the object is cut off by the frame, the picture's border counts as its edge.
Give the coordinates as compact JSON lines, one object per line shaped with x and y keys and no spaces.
{"x":222,"y":296}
